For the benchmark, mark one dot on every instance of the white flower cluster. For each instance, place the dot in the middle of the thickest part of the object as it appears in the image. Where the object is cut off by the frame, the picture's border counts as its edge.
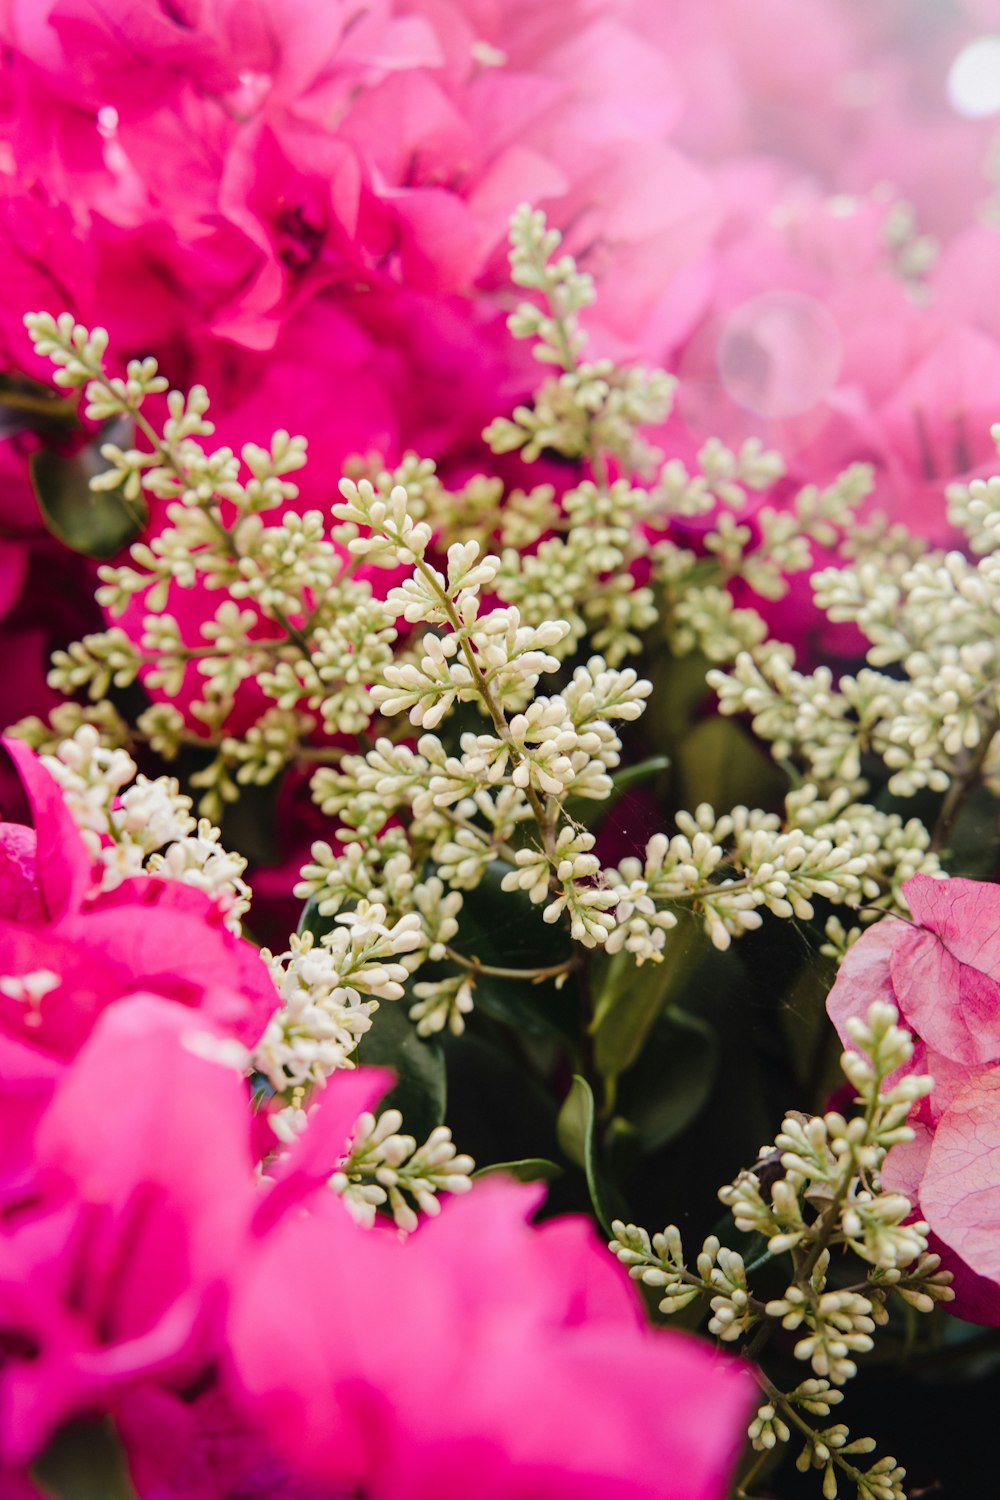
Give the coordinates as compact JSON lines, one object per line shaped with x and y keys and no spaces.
{"x":730,"y":868}
{"x":473,"y":647}
{"x":332,"y":653}
{"x":503,"y":797}
{"x":696,"y":609}
{"x":322,"y":1014}
{"x":589,"y":406}
{"x":133,"y":825}
{"x":930,"y":619}
{"x":539,"y":751}
{"x":290,"y":574}
{"x":815,"y":1188}
{"x":381,"y":1165}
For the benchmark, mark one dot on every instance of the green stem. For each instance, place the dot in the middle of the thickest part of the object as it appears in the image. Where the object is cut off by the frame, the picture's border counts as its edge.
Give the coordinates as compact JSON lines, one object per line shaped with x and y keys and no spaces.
{"x":493,"y":707}
{"x":534,"y":976}
{"x":779,"y":1400}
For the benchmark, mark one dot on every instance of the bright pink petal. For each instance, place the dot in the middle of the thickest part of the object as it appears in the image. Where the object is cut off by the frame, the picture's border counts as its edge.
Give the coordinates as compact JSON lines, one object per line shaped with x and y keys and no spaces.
{"x":471,"y":1362}
{"x":85,"y":982}
{"x":171,"y":939}
{"x":315,"y":1155}
{"x":20,"y":899}
{"x":144,"y":1189}
{"x":65,"y":869}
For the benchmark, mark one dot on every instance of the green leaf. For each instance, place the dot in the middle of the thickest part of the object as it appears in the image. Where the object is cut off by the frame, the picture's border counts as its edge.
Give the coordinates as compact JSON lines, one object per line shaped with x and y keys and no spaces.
{"x":673,"y":1081}
{"x":252,"y":824}
{"x":643,"y":770}
{"x":631,"y":999}
{"x":420,"y":1092}
{"x":503,"y":929}
{"x":84,"y":1461}
{"x":27,"y":405}
{"x":679,"y":690}
{"x":311,"y":921}
{"x":811,"y":1044}
{"x":718,"y":763}
{"x":530,"y":1169}
{"x":97,"y":523}
{"x":577,"y":1136}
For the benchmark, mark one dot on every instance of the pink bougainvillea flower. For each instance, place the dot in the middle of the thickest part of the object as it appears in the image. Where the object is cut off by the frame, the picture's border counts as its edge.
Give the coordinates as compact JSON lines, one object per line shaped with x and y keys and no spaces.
{"x":148,"y":934}
{"x":202,"y":1449}
{"x":328,"y":187}
{"x":62,"y":870}
{"x":69,"y":951}
{"x":959,"y":1190}
{"x":20,"y":898}
{"x":112,"y":1263}
{"x":813,"y":342}
{"x":942,"y":972}
{"x":848,"y":96}
{"x":481,"y":1353}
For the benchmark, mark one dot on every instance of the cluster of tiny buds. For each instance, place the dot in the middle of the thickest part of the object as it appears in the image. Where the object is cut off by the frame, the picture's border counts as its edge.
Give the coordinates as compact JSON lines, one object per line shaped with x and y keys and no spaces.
{"x":133,"y":825}
{"x":383,"y":1166}
{"x":822,"y":1175}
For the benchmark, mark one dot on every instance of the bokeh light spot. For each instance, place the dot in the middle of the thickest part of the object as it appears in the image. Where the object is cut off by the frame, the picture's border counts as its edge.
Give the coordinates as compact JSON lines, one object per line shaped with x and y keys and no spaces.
{"x":974,"y":79}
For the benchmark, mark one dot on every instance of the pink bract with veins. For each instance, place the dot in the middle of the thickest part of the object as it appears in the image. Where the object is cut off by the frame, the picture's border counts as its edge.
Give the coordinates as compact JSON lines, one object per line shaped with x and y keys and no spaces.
{"x":942,"y":972}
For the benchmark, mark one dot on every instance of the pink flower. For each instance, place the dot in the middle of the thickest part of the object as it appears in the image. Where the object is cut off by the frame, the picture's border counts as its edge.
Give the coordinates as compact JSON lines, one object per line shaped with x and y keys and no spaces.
{"x":845,"y":96}
{"x":112,"y":1261}
{"x":202,"y":1449}
{"x":148,"y":934}
{"x":67,"y":953}
{"x":815,"y":344}
{"x":942,"y":972}
{"x":482,"y":1353}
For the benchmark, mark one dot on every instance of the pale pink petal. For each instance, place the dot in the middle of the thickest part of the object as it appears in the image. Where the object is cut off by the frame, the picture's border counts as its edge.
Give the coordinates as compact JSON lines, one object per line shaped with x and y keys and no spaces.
{"x":947,"y":975}
{"x":960,"y":1190}
{"x":864,"y":976}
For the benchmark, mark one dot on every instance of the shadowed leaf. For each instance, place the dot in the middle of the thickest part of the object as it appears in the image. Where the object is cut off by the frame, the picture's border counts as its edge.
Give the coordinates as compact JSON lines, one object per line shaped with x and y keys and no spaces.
{"x":98,"y":523}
